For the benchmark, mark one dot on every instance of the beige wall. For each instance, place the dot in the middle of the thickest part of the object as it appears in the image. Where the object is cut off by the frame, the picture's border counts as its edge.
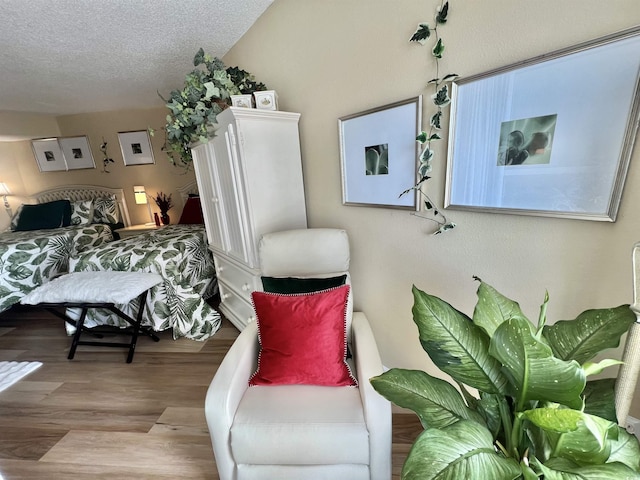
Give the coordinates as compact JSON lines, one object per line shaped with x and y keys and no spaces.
{"x":26,"y":179}
{"x":330,"y":58}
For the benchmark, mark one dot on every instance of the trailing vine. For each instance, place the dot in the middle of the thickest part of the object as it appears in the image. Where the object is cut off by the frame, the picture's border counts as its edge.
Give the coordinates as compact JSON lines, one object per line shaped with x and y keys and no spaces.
{"x":440,"y":99}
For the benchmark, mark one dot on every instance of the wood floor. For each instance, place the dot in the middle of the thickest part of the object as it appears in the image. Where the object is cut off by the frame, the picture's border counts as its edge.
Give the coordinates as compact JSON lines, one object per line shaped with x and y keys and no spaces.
{"x":97,"y":417}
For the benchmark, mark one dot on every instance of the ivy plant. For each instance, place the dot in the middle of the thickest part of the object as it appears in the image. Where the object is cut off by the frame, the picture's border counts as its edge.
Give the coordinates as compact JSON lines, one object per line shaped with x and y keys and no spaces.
{"x":193,"y":110}
{"x":440,"y":99}
{"x":535,"y":414}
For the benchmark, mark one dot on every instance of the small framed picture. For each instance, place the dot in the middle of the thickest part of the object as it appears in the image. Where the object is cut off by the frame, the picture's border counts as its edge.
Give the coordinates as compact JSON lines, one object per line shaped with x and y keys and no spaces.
{"x":266,"y":100}
{"x":77,"y":153}
{"x":244,"y":101}
{"x":48,"y":155}
{"x":136,"y":148}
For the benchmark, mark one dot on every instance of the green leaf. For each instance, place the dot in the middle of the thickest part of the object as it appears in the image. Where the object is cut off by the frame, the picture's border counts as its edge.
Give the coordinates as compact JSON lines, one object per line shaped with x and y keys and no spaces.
{"x":586,"y":444}
{"x":625,"y":450}
{"x":441,"y":97}
{"x":455,"y":344}
{"x":595,"y":368}
{"x":450,"y":77}
{"x":199,"y":57}
{"x":438,"y":49}
{"x":441,"y":15}
{"x":493,"y":308}
{"x":599,"y":398}
{"x":562,"y":469}
{"x":461,"y":451}
{"x":422,"y":33}
{"x":590,"y":333}
{"x":436,"y":120}
{"x":422,"y":137}
{"x":533,"y":372}
{"x":436,"y":402}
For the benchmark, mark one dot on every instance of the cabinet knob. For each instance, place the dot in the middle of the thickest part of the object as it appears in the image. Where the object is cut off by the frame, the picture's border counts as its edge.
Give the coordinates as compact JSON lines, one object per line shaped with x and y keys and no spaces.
{"x":215,"y":200}
{"x":251,"y":319}
{"x":246,"y":287}
{"x":225,"y":296}
{"x":220,"y":269}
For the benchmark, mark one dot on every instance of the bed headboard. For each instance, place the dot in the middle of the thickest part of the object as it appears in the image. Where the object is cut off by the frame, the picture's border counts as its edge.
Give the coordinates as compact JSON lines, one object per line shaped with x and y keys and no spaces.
{"x":85,"y":192}
{"x":188,"y":189}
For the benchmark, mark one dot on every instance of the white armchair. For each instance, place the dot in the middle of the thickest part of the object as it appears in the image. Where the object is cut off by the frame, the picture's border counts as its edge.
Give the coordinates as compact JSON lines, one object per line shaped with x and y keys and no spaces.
{"x":301,"y":432}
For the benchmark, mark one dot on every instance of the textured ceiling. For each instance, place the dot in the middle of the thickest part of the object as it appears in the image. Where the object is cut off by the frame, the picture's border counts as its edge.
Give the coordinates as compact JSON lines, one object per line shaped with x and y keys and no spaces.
{"x":73,"y":56}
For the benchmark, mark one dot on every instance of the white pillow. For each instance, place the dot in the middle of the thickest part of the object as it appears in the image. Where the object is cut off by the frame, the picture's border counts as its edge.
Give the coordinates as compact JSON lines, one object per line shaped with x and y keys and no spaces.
{"x":82,"y":212}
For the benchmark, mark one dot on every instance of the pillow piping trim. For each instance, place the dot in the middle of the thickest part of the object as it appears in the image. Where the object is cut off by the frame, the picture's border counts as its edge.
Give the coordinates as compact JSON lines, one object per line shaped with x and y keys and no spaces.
{"x":344,"y":328}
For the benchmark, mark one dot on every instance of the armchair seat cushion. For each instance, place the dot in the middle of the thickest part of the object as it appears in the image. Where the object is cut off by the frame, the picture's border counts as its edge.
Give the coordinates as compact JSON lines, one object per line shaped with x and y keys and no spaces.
{"x":300,"y":425}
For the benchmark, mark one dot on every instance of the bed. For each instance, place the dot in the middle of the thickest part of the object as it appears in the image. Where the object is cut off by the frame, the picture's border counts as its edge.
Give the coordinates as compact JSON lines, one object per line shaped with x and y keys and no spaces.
{"x":177,"y":252}
{"x":33,"y":256}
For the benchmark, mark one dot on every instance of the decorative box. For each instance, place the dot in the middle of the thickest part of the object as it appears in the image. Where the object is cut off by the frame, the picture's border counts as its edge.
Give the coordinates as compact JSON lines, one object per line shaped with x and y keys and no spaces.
{"x":266,"y":100}
{"x":244,"y":101}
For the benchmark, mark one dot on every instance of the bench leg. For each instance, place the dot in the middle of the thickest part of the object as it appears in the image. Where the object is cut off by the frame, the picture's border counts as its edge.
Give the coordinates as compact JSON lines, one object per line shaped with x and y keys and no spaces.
{"x":136,"y":326}
{"x":76,"y":335}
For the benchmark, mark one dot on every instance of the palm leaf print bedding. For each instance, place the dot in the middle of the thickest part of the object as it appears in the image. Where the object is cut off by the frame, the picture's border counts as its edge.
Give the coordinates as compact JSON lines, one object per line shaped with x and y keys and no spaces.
{"x":29,"y":259}
{"x":177,"y":252}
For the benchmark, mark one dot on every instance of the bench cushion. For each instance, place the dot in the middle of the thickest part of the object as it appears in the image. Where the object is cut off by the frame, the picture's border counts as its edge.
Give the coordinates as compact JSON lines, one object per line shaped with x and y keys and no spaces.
{"x":93,"y":287}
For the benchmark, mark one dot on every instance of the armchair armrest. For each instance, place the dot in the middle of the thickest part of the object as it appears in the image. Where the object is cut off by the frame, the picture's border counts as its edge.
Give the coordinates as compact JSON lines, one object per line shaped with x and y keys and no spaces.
{"x":377,"y":409}
{"x":225,"y":392}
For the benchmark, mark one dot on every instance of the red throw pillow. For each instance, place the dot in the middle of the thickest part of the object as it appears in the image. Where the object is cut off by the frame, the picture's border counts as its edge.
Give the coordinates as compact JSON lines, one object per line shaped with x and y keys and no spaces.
{"x":192,"y":212}
{"x":302,"y":338}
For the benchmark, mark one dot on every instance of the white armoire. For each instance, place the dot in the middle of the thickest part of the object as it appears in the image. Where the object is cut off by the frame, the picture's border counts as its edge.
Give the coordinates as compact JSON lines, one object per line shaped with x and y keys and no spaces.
{"x":250,"y":182}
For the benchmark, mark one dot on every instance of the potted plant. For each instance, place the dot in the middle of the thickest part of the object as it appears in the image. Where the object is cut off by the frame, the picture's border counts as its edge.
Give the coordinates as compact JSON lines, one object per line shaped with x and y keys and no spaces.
{"x":164,"y":203}
{"x":535,"y":415}
{"x":193,"y":110}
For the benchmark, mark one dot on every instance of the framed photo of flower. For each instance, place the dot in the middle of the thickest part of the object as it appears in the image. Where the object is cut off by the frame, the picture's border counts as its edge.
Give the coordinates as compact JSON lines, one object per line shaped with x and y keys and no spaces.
{"x":379,"y":155}
{"x":77,"y":153}
{"x":48,"y":155}
{"x":136,"y":148}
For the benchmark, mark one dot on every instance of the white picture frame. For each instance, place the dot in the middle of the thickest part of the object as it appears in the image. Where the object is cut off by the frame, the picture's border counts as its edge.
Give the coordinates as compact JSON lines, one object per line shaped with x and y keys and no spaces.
{"x":77,"y":152}
{"x":583,"y":103}
{"x":366,"y":138}
{"x":48,"y":154}
{"x":136,"y":148}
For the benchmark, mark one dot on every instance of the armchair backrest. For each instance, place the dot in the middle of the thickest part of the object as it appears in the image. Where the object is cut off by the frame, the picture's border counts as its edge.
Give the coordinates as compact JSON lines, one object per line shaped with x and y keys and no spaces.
{"x":307,"y":253}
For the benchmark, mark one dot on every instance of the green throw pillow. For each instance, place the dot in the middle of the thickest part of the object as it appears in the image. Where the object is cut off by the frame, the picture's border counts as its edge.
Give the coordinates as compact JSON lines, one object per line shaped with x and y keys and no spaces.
{"x":45,"y":215}
{"x":301,"y":285}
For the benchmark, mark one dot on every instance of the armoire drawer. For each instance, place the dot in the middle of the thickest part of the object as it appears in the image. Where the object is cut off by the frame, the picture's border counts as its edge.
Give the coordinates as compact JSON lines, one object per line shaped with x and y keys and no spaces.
{"x":243,"y":282}
{"x":235,"y":308}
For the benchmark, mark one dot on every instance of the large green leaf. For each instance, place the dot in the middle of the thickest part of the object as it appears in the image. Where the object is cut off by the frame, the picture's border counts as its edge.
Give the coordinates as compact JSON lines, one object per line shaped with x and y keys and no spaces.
{"x":534,"y":373}
{"x":575,"y":435}
{"x":562,"y":469}
{"x":625,"y":450}
{"x":436,"y":402}
{"x":493,"y":309}
{"x":590,"y":333}
{"x":463,"y":450}
{"x":455,"y":344}
{"x":599,"y":398}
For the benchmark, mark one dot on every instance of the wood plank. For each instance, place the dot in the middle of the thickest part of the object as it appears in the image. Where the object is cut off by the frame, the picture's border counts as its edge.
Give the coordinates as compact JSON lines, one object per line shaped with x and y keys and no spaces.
{"x":98,"y":417}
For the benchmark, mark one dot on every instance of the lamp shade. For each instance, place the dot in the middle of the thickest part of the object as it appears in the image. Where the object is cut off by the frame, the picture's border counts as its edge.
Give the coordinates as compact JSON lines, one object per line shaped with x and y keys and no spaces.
{"x":140,"y":194}
{"x":4,"y":190}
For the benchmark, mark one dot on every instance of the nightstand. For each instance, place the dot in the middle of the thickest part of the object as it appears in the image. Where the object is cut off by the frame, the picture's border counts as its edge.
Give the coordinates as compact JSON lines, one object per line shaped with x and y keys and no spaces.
{"x":135,"y":230}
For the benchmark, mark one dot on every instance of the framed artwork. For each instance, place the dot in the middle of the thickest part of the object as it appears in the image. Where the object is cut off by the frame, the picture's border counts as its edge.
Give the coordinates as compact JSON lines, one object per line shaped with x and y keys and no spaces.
{"x":136,"y":148}
{"x":77,"y":153}
{"x":48,"y":155}
{"x":551,"y":136}
{"x":379,"y":155}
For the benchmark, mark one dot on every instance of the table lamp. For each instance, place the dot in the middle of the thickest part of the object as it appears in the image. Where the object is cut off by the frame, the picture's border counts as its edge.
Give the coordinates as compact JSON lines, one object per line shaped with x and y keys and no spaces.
{"x":140,"y":195}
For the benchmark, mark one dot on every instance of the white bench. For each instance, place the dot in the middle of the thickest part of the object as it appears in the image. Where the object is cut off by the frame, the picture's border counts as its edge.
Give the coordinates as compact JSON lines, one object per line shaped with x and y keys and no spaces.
{"x":103,"y":289}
